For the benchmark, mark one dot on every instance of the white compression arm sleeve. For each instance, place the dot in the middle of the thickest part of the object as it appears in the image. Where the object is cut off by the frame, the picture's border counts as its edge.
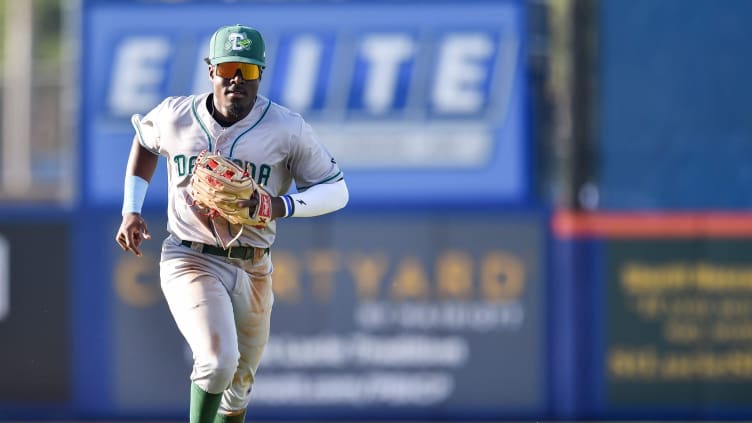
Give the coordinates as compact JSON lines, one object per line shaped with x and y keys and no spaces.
{"x":317,"y":200}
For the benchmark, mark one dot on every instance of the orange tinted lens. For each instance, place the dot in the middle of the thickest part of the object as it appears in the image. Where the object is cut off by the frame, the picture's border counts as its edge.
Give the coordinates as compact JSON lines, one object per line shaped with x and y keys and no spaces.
{"x":228,"y":70}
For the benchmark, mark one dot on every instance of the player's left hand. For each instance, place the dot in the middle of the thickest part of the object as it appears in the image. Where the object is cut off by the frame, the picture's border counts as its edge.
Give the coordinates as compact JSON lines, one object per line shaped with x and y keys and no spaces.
{"x":278,"y":208}
{"x":132,"y":232}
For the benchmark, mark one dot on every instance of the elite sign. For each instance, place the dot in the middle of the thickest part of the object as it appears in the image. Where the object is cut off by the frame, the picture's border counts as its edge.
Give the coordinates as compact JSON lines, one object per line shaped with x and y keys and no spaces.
{"x":412,"y":101}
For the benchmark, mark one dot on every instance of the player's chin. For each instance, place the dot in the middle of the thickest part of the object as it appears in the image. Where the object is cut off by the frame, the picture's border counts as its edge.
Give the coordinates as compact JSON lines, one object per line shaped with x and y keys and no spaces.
{"x":239,"y":98}
{"x":238,"y":109}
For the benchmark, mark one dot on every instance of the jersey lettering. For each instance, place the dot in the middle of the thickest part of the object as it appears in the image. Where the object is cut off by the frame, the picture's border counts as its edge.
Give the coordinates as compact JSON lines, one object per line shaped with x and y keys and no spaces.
{"x":240,"y":164}
{"x":265,"y":170}
{"x":250,"y":168}
{"x":192,"y":164}
{"x":179,"y":164}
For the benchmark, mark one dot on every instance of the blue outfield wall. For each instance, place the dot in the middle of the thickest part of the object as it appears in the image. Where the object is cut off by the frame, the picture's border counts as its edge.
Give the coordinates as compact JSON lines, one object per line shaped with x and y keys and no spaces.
{"x":419,"y":319}
{"x":659,"y":306}
{"x":393,"y":308}
{"x":36,"y":297}
{"x":416,"y":319}
{"x":673,"y":94}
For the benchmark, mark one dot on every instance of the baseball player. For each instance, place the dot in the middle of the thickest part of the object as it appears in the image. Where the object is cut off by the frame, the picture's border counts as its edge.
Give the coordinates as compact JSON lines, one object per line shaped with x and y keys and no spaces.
{"x":216,"y":276}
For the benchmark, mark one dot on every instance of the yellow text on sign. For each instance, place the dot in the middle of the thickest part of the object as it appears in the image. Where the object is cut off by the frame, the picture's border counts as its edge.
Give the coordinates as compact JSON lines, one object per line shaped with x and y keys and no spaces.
{"x":494,"y":276}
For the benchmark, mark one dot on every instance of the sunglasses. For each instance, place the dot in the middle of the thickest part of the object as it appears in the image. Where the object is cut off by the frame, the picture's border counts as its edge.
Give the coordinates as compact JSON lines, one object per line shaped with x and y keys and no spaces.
{"x":248,"y":71}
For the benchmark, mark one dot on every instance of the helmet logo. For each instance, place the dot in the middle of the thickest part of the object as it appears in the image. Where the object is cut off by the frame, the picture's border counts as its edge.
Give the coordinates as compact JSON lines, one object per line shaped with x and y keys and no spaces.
{"x":237,"y":41}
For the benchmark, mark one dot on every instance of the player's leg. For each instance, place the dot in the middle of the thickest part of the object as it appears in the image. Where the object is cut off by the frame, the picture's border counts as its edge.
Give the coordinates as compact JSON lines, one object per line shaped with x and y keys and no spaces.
{"x":202,"y":309}
{"x":253,"y":299}
{"x":234,"y":417}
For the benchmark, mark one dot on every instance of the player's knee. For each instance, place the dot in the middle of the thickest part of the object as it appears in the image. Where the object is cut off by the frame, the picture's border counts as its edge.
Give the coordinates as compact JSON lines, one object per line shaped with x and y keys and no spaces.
{"x":218,"y":371}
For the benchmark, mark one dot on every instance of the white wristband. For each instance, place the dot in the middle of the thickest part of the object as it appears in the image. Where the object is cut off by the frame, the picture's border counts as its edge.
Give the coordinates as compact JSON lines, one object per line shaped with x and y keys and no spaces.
{"x":134,"y":193}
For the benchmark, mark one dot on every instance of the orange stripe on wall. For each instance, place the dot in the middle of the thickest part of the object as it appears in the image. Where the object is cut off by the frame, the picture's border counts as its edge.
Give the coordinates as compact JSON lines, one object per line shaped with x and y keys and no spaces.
{"x":569,"y":224}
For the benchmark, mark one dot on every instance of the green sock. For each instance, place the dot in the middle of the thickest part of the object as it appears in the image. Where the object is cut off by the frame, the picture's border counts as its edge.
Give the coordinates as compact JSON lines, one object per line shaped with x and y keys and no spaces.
{"x":237,"y":418}
{"x":204,"y":405}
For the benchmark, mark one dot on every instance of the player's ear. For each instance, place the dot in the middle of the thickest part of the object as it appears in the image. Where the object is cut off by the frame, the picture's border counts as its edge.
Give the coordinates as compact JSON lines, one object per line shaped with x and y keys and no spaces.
{"x":211,"y":71}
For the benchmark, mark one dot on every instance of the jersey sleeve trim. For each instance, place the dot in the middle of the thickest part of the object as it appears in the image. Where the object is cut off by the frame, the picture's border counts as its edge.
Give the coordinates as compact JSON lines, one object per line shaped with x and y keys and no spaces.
{"x":136,"y":122}
{"x":336,"y":178}
{"x":200,"y":123}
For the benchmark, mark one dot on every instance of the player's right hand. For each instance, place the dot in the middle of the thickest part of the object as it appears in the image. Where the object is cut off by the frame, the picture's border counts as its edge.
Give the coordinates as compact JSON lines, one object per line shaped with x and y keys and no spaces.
{"x":132,"y":232}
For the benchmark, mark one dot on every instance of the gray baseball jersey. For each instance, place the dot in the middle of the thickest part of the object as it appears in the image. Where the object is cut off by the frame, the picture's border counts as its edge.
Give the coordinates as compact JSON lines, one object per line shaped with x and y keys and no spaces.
{"x":275,"y":145}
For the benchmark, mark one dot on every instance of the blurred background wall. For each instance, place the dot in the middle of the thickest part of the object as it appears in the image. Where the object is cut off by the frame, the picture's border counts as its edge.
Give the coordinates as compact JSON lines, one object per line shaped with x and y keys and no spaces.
{"x":548,"y":217}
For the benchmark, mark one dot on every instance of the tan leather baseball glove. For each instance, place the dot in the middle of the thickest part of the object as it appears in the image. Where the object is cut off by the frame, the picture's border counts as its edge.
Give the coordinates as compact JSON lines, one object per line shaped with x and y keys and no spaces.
{"x":218,"y":184}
